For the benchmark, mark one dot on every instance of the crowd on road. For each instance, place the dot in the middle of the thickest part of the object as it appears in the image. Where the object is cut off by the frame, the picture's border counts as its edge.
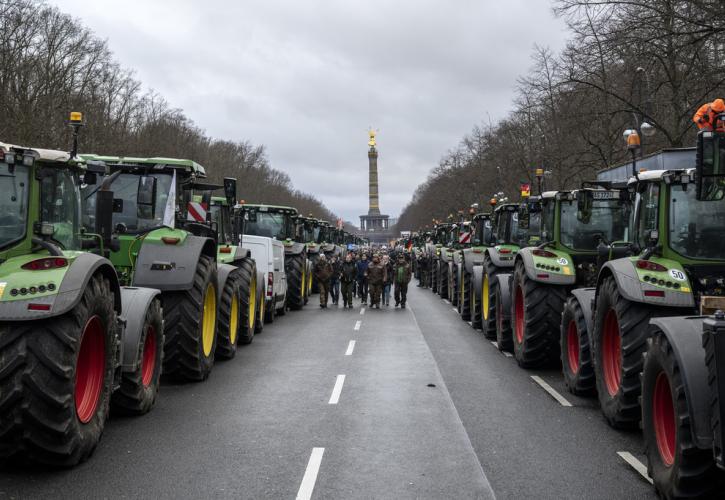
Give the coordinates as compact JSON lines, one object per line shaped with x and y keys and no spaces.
{"x":368,"y":274}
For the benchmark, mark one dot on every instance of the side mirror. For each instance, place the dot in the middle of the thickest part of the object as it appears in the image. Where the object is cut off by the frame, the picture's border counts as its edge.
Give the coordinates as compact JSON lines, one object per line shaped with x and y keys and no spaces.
{"x":146,"y":197}
{"x":584,"y":203}
{"x":710,"y":166}
{"x":104,"y":215}
{"x":230,"y":190}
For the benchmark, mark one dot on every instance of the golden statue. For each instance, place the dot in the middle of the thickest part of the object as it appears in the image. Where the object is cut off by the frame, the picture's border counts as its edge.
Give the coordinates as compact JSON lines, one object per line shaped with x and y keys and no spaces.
{"x":371,"y":142}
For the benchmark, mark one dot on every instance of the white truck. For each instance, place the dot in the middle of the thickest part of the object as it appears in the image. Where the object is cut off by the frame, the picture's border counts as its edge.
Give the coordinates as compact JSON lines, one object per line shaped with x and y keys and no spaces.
{"x":268,"y":253}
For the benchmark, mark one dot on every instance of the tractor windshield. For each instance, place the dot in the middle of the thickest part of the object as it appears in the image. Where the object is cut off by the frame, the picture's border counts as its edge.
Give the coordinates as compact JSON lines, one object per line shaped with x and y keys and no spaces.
{"x":268,"y":224}
{"x":525,"y":237}
{"x":608,"y":221}
{"x":696,"y":228}
{"x":322,"y":234}
{"x":13,"y":204}
{"x":60,"y":206}
{"x":482,"y":233}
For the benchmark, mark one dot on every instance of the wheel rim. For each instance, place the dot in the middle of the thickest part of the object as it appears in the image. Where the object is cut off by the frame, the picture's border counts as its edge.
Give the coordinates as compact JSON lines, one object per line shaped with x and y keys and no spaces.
{"x":663,"y":416}
{"x":572,"y":347}
{"x":303,"y":286}
{"x":519,"y":312}
{"x":90,"y":369}
{"x":234,"y":319}
{"x":252,"y":301}
{"x":484,"y":297}
{"x":148,"y":363}
{"x":612,"y":353}
{"x":209,"y":320}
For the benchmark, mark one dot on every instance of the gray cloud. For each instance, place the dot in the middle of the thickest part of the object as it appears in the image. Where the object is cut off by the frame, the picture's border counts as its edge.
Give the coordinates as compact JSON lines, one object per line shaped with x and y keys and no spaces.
{"x":308,"y":78}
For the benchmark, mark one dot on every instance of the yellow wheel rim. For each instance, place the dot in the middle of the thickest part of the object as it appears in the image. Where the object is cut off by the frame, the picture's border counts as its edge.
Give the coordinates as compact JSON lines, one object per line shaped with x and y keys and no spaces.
{"x":309,"y":286}
{"x":303,"y":288}
{"x":252,"y":301}
{"x":234,"y":319}
{"x":484,"y":297}
{"x":208,"y":325}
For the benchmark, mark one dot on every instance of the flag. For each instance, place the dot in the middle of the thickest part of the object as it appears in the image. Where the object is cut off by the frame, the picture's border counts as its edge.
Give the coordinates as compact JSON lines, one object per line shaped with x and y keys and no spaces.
{"x":170,"y":209}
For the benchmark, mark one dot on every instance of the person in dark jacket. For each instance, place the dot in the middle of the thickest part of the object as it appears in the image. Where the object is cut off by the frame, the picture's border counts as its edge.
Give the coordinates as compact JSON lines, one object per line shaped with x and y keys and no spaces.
{"x":323,"y":272}
{"x":348,"y":275}
{"x":335,"y":279}
{"x":362,"y":280}
{"x":401,"y":279}
{"x":388,"y":279}
{"x":376,"y":277}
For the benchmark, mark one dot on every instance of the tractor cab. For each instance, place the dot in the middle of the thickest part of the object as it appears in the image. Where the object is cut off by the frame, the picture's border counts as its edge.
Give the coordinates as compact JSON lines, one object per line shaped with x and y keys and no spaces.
{"x":269,"y":221}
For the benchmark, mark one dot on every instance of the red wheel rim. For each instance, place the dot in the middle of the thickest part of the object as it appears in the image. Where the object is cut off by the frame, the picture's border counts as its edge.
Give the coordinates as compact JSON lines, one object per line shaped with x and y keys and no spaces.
{"x":572,"y":347}
{"x":663,"y":416}
{"x":90,"y":369}
{"x":612,"y":353}
{"x":519,"y":311}
{"x":148,"y":364}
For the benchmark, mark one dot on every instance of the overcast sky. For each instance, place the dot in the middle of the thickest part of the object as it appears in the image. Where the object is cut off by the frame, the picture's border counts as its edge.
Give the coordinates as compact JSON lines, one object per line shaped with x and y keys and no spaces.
{"x":307,"y":78}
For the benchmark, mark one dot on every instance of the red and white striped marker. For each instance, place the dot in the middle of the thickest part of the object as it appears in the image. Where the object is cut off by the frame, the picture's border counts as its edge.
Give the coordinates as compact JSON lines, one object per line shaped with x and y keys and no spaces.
{"x":196,"y":211}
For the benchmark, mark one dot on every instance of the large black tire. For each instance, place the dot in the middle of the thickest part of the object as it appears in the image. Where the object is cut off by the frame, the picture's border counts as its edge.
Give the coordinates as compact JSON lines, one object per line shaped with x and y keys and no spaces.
{"x":296,"y":281}
{"x":677,"y":467}
{"x":434,"y":272}
{"x":488,"y":305}
{"x":576,"y":356}
{"x":464,"y":301}
{"x":453,"y":284}
{"x":230,"y":318}
{"x":475,"y":302}
{"x":618,"y":342}
{"x":443,"y":280}
{"x":187,"y":356}
{"x":259,"y":324}
{"x":249,"y":302}
{"x":270,"y":312}
{"x":137,"y":392}
{"x":504,"y":337}
{"x":40,"y":365}
{"x":536,"y":316}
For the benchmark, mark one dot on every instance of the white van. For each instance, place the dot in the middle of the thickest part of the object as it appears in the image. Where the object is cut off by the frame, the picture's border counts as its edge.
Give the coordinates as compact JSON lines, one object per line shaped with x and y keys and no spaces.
{"x":268,"y":253}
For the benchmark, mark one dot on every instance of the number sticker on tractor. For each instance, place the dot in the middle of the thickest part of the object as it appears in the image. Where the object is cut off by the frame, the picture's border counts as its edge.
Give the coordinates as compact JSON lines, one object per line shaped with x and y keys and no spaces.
{"x":605,"y":195}
{"x":562,"y":261}
{"x":678,"y":275}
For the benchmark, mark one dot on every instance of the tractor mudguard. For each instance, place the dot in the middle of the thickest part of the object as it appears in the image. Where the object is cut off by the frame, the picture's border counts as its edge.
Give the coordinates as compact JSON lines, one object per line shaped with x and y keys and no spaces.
{"x":477,"y":280}
{"x":171,"y":267}
{"x":136,"y":302}
{"x":69,"y":293}
{"x":684,"y":333}
{"x":634,"y":290}
{"x":241,"y":253}
{"x":585,"y":297}
{"x":532,"y":273}
{"x":222,"y":273}
{"x":291,"y":247}
{"x":472,"y":259}
{"x":499,"y":261}
{"x":505,"y":283}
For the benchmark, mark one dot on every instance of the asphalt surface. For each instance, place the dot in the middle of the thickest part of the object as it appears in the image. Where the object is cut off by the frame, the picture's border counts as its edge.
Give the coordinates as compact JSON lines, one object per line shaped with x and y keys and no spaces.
{"x":428,"y":409}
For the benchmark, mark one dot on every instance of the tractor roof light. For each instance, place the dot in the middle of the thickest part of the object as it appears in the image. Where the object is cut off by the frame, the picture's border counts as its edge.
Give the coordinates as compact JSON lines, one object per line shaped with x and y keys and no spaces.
{"x":76,"y":119}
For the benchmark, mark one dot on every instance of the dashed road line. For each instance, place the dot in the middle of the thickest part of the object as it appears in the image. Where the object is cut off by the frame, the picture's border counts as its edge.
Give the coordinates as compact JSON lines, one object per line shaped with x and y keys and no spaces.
{"x":455,"y":309}
{"x":446,"y":301}
{"x":362,"y":310}
{"x":494,"y":343}
{"x":552,"y":392}
{"x":350,"y":348}
{"x":507,"y":354}
{"x":335,"y":397}
{"x":635,"y":464}
{"x":310,"y":477}
{"x":358,"y":323}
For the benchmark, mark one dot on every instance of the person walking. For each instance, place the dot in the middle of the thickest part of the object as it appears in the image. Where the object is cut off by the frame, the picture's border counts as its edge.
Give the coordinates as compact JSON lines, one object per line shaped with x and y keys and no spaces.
{"x":376,"y":279}
{"x":422,"y":269}
{"x":323,"y":272}
{"x":401,"y":279}
{"x":335,"y":279}
{"x":347,"y":277}
{"x":388,"y":279}
{"x":362,"y":280}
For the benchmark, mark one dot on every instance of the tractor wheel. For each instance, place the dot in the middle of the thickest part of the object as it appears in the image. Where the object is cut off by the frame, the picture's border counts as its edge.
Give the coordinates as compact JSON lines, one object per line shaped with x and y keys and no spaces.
{"x":190,"y":326}
{"x":248,"y":303}
{"x":259,"y":326}
{"x":536,"y":316}
{"x":434,"y":277}
{"x":464,"y":301}
{"x":56,"y":378}
{"x":678,"y":468}
{"x":296,"y":282}
{"x":488,"y":298}
{"x":618,"y":341}
{"x":230,"y":316}
{"x":503,"y":325}
{"x":576,"y":357}
{"x":475,"y":305}
{"x":453,"y":284}
{"x":138,"y":390}
{"x":443,"y":280}
{"x":271,"y":313}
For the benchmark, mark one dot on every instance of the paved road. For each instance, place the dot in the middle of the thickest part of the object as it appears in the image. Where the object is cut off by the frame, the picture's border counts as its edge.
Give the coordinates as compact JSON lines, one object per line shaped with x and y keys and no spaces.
{"x":427,"y":408}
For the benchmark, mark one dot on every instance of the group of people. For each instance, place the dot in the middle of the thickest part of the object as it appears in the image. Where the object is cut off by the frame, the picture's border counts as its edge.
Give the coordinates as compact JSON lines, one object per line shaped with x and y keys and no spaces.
{"x":356,"y":276}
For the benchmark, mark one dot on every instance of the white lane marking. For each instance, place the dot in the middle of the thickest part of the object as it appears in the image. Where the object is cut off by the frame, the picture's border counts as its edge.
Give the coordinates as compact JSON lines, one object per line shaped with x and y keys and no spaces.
{"x":552,"y":392}
{"x":335,"y":397}
{"x":362,"y":310}
{"x":357,"y":325}
{"x":446,"y":301}
{"x":494,"y":343}
{"x":455,"y":309}
{"x":507,"y":354}
{"x":350,"y":348}
{"x":635,"y":464}
{"x":470,"y":323}
{"x":310,"y":477}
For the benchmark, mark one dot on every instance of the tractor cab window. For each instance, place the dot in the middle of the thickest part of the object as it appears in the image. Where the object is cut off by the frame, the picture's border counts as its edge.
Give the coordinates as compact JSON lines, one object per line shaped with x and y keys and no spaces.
{"x":648,"y":209}
{"x":525,"y":237}
{"x":548,"y":214}
{"x":220,"y":215}
{"x":126,"y":209}
{"x":13,"y":203}
{"x":696,"y":227}
{"x":60,"y":206}
{"x":608,"y":222}
{"x":268,"y":224}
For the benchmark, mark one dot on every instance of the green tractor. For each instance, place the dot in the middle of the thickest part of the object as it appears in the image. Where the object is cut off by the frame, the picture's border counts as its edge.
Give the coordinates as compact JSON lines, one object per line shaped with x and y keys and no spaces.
{"x":439,"y":269}
{"x":472,"y":269}
{"x":74,"y":342}
{"x":283,"y":224}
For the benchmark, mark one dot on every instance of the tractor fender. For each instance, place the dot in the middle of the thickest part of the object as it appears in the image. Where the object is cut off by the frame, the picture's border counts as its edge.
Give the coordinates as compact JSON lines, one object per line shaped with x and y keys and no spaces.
{"x":497,"y":260}
{"x":477,"y":280}
{"x":472,"y":259}
{"x":222,"y":273}
{"x":181,"y":261}
{"x":585,"y":297}
{"x":631,"y":288}
{"x":684,"y":333}
{"x":241,"y":253}
{"x":527,"y":258}
{"x":136,"y":301}
{"x":292,"y":248}
{"x":505,"y":283}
